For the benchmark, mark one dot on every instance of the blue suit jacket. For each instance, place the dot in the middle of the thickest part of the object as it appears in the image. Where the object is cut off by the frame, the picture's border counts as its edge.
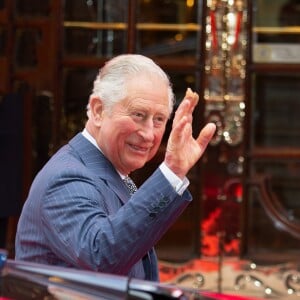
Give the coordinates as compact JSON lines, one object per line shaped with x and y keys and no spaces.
{"x":79,"y":214}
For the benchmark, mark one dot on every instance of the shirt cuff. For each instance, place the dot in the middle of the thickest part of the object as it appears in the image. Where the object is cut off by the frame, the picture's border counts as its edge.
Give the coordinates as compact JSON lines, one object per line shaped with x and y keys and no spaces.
{"x":179,"y":185}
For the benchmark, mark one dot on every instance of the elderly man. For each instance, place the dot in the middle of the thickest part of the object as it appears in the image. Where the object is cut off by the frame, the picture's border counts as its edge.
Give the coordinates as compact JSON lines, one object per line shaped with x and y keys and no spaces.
{"x":81,"y":212}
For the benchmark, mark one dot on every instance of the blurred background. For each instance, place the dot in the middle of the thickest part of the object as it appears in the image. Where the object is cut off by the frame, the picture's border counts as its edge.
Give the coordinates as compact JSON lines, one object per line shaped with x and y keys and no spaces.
{"x":243,"y":59}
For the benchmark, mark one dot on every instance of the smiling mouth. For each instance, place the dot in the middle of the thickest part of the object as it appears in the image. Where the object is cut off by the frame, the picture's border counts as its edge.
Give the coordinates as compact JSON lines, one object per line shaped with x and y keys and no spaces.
{"x":140,"y":149}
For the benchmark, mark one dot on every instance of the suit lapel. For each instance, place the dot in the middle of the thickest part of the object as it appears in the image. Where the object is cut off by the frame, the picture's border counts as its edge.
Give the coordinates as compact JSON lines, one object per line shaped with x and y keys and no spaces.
{"x":97,"y":163}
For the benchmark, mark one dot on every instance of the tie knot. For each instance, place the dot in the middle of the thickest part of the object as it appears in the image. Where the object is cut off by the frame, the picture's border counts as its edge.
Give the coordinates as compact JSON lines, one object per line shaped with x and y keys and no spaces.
{"x":130,"y":185}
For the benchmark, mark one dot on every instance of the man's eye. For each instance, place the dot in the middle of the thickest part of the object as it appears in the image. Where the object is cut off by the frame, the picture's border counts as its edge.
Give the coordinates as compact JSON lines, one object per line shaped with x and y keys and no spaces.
{"x":139,"y":115}
{"x":159,"y":120}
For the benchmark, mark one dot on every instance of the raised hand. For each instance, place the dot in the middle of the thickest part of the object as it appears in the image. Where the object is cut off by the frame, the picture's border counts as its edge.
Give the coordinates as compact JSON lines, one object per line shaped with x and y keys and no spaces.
{"x":183,"y":150}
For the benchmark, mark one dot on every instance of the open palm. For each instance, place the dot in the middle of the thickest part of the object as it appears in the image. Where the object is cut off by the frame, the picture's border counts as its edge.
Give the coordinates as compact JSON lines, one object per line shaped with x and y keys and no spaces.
{"x":183,"y":150}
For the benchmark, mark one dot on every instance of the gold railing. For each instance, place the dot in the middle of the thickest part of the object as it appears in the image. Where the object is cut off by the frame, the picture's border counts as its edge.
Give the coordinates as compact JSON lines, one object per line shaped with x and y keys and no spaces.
{"x":171,"y":27}
{"x":277,"y":30}
{"x":139,"y":26}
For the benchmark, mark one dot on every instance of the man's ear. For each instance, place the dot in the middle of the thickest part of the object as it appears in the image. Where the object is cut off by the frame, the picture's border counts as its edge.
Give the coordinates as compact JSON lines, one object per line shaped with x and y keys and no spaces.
{"x":96,"y":110}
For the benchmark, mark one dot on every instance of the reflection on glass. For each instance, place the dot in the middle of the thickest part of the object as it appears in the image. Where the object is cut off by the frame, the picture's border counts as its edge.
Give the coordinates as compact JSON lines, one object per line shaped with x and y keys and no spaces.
{"x":165,"y":11}
{"x":167,"y":27}
{"x":80,"y":10}
{"x":95,"y":27}
{"x":26,"y":49}
{"x":94,"y":42}
{"x":277,"y":121}
{"x":262,"y":232}
{"x":96,"y":10}
{"x":181,"y":81}
{"x":167,"y":44}
{"x":290,"y":13}
{"x":42,"y":124}
{"x":277,"y":21}
{"x":77,"y":87}
{"x":2,"y":41}
{"x":275,"y":13}
{"x":33,"y":7}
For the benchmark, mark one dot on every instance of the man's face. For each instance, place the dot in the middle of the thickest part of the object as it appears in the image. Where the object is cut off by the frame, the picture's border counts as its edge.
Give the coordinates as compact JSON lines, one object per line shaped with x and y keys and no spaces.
{"x":130,"y":134}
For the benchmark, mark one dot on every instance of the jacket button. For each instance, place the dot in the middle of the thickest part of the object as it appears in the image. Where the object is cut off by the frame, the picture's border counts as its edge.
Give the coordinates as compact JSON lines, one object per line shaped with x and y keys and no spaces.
{"x":152,"y":215}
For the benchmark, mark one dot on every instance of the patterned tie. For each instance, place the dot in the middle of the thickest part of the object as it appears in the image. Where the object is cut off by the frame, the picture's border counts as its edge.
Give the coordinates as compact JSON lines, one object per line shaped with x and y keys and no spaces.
{"x":130,"y":185}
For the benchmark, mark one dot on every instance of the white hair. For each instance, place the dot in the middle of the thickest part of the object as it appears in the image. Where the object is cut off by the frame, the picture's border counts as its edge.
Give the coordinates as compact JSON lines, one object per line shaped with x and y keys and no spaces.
{"x":110,"y":83}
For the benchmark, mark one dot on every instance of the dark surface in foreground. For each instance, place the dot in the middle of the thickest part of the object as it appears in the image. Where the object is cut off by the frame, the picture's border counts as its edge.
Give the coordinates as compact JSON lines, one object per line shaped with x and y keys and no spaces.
{"x":23,"y":280}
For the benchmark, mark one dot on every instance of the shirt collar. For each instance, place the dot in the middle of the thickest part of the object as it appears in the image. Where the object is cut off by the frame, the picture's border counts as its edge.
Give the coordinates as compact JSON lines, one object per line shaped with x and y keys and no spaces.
{"x":90,"y":138}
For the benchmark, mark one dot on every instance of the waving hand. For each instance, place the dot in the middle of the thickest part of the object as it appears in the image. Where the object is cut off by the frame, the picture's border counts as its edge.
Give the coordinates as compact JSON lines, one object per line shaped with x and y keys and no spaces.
{"x":183,"y":150}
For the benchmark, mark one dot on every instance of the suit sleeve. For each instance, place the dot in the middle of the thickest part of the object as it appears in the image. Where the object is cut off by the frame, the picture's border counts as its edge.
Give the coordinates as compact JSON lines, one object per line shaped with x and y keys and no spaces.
{"x":87,"y":226}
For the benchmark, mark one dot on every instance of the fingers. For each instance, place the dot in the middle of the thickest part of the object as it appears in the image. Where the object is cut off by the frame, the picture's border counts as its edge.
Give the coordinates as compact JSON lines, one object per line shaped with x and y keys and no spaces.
{"x":183,"y":119}
{"x":181,"y":112}
{"x":176,"y":133}
{"x":186,"y":107}
{"x":193,"y":97}
{"x":206,"y":135}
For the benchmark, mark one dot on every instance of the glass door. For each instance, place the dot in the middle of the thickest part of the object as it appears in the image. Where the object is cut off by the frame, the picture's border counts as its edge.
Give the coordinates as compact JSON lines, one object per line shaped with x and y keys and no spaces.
{"x":272,"y":214}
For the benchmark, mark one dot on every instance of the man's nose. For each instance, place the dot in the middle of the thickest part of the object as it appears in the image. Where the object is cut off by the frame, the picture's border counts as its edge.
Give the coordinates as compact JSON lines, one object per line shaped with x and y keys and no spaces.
{"x":147,"y":130}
